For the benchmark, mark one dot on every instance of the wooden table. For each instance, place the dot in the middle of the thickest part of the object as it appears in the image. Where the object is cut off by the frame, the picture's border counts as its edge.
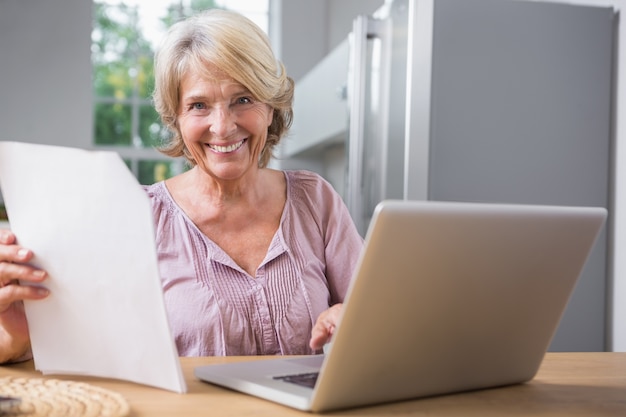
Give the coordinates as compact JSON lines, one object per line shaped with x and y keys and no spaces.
{"x":568,"y":384}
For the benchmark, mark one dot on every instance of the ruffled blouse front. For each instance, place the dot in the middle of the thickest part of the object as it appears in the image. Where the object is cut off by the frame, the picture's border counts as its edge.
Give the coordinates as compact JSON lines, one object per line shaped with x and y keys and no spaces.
{"x":216,"y":308}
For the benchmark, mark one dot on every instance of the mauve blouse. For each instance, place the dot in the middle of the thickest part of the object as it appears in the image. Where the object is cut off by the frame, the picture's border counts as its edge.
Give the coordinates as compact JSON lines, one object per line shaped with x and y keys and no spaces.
{"x":216,"y":308}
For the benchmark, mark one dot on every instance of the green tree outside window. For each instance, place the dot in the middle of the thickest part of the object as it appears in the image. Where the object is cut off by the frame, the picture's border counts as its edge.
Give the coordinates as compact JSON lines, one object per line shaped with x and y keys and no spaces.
{"x":123,"y":82}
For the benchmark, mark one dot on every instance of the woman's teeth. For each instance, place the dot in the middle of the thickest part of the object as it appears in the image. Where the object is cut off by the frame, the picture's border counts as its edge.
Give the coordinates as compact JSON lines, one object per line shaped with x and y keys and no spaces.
{"x":226,"y":149}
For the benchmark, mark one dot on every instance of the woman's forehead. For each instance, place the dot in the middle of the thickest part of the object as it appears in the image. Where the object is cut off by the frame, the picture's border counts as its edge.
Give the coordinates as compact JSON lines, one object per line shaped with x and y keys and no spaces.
{"x":198,"y":84}
{"x":206,"y":72}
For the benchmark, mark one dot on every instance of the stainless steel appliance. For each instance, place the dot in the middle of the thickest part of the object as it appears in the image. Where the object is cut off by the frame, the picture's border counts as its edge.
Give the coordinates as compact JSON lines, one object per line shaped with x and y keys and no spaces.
{"x":472,"y":100}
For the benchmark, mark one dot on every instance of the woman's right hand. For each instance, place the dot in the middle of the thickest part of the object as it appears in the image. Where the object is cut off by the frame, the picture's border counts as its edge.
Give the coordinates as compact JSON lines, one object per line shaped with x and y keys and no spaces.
{"x":14,"y":337}
{"x":324,"y":327}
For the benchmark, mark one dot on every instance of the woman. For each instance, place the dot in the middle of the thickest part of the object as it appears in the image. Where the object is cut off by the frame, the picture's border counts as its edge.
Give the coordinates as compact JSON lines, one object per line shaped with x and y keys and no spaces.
{"x":253,"y":260}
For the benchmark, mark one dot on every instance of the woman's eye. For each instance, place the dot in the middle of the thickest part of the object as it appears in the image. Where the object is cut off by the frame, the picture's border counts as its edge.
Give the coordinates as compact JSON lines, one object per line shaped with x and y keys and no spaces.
{"x":243,"y":100}
{"x":198,"y":106}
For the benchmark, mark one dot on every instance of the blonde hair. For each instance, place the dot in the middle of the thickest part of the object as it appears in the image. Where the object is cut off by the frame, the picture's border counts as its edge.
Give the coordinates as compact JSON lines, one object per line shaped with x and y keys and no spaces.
{"x":233,"y":45}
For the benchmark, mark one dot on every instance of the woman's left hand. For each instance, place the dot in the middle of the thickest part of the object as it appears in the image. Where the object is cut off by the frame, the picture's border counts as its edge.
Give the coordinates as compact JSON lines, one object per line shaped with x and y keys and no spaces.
{"x":14,"y":336}
{"x":325,"y":327}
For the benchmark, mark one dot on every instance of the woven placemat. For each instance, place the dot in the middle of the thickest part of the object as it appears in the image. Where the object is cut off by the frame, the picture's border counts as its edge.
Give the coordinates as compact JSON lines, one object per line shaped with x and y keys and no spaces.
{"x":54,"y":397}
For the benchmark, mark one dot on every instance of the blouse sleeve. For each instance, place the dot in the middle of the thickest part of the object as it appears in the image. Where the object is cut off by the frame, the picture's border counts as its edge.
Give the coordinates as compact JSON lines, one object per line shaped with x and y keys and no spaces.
{"x":342,"y":242}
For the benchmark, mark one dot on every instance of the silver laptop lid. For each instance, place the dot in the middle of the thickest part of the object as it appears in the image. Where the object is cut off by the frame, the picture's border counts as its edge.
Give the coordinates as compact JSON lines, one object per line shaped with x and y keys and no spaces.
{"x":454,"y":296}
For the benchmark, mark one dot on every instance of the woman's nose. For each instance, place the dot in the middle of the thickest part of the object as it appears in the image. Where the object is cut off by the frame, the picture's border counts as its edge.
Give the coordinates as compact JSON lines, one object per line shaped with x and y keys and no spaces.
{"x":222,"y":122}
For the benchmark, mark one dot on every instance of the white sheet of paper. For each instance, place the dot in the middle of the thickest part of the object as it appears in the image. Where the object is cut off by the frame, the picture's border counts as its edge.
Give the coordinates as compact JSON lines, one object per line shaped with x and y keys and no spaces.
{"x":90,"y":225}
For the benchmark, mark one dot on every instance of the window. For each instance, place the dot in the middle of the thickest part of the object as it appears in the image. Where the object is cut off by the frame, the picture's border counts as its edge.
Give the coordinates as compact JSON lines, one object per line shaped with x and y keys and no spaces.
{"x":124,"y":38}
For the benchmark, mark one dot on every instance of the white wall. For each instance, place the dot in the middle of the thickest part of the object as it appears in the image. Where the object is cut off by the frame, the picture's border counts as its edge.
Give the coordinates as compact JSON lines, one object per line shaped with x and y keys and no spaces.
{"x":45,"y":71}
{"x":287,"y":17}
{"x":341,"y":14}
{"x":304,"y":31}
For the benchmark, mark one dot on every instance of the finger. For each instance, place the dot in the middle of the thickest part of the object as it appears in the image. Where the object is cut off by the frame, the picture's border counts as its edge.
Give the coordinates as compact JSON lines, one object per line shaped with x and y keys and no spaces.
{"x":12,"y":271}
{"x":15,"y":253}
{"x":321,"y":333}
{"x":325,"y":326}
{"x":319,"y":337}
{"x":14,"y":292}
{"x":10,"y":251}
{"x":6,"y":237}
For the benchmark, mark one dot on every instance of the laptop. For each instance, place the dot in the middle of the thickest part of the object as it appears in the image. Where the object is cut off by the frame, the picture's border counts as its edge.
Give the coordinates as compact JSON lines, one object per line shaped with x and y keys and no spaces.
{"x":446,"y":297}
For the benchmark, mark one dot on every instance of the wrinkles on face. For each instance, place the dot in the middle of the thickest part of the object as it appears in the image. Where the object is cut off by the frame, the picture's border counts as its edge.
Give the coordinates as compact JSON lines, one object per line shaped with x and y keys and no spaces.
{"x":223,"y":126}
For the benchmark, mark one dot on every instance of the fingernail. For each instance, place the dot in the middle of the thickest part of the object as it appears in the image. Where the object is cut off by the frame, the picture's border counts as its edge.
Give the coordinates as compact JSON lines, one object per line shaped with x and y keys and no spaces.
{"x":42,"y":291}
{"x":22,"y":253}
{"x":39,"y":273}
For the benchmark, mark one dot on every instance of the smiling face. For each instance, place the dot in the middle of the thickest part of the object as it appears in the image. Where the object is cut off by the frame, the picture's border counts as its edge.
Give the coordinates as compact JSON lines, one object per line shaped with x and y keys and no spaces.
{"x":222,"y":125}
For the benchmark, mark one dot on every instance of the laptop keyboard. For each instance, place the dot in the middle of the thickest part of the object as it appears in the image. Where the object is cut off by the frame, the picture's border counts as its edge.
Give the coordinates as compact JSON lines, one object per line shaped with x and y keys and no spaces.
{"x":306,"y":380}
